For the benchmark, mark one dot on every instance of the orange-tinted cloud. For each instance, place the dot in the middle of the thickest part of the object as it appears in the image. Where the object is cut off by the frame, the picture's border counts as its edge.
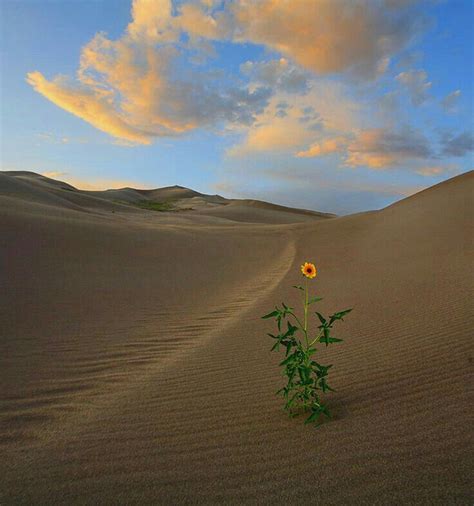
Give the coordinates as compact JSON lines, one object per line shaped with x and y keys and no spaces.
{"x":152,"y":21}
{"x":436,"y":170}
{"x":292,"y":122}
{"x":127,"y":88}
{"x":324,"y":36}
{"x":325,"y":147}
{"x":94,"y":184}
{"x":88,"y":105}
{"x":136,"y":88}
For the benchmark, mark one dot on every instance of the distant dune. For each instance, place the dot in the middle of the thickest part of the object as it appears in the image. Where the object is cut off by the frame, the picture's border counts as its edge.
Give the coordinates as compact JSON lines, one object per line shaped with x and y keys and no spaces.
{"x":32,"y":187}
{"x":135,"y":367}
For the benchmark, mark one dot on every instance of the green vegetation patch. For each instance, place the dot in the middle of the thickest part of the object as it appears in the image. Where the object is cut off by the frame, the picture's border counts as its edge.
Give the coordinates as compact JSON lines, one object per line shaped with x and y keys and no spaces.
{"x":150,"y":205}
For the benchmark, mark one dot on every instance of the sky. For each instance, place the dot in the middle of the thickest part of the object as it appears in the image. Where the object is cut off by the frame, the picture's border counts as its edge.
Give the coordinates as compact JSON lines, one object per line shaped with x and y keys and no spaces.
{"x":333,"y":105}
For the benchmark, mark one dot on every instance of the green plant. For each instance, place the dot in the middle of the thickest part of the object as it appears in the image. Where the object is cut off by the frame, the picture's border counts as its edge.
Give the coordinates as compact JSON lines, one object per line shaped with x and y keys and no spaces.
{"x":155,"y":206}
{"x":305,"y":376}
{"x":151,"y":205}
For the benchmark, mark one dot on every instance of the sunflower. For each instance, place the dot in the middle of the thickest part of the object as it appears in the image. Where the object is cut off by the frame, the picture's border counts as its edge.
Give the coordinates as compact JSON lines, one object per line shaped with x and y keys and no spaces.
{"x":308,"y":270}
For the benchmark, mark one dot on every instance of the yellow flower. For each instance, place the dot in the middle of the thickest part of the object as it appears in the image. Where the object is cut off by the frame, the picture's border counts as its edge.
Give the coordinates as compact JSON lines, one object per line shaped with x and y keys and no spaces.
{"x":308,"y":270}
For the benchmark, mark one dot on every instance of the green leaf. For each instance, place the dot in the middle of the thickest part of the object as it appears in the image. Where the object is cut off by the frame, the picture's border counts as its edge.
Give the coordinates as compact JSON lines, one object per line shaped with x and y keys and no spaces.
{"x":325,"y":337}
{"x":313,"y":416}
{"x":272,"y":314}
{"x":301,"y":375}
{"x":292,"y":399}
{"x":334,"y":340}
{"x":299,"y":287}
{"x":321,"y":318}
{"x":288,"y":359}
{"x":291,"y":375}
{"x":276,"y":346}
{"x":323,"y":369}
{"x":291,"y":330}
{"x":339,"y":315}
{"x":322,"y":384}
{"x":325,"y":410}
{"x":314,"y":299}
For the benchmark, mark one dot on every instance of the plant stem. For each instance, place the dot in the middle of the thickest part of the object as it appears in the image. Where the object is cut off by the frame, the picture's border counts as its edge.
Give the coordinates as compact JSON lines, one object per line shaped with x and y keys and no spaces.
{"x":306,"y":311}
{"x":317,"y":337}
{"x":297,"y":319}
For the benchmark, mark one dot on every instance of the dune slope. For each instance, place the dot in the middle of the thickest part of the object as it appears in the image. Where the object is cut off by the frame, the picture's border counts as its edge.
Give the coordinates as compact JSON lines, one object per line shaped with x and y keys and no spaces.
{"x":136,"y":369}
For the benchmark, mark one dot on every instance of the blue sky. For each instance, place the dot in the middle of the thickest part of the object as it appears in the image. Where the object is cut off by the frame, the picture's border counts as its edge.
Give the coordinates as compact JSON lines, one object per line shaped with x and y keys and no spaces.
{"x":339,"y":106}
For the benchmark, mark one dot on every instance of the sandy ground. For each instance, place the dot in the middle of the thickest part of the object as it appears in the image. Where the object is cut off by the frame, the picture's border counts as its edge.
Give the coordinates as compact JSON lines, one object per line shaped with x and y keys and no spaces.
{"x":135,"y":368}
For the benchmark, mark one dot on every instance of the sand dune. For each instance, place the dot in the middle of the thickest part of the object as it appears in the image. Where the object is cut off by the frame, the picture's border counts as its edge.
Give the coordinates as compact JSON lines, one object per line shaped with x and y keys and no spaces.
{"x":136,"y":368}
{"x":31,"y":187}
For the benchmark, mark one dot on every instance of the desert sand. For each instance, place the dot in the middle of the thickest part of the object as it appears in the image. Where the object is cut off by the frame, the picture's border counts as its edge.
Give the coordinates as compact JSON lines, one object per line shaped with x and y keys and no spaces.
{"x":135,"y":367}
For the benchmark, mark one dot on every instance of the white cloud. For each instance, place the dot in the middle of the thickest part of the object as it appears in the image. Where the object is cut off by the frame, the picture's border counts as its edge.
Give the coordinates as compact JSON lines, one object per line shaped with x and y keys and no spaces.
{"x":278,"y":74}
{"x":417,"y":84}
{"x":457,"y":145}
{"x":450,"y":101}
{"x":380,"y":148}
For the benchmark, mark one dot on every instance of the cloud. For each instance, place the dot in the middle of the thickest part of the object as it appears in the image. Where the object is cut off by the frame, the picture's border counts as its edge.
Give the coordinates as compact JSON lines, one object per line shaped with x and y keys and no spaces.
{"x":195,"y":21}
{"x":375,"y":148}
{"x":147,"y":83}
{"x":303,"y":120}
{"x":53,"y":138}
{"x":277,"y":74}
{"x":325,"y":36}
{"x":95,"y":184}
{"x":450,"y":101}
{"x":135,"y":89}
{"x":88,"y":104}
{"x":417,"y":85}
{"x":388,"y":104}
{"x":380,"y":148}
{"x":152,"y":21}
{"x":457,"y":145}
{"x":144,"y":83}
{"x":54,"y":174}
{"x":436,"y":170}
{"x":325,"y":147}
